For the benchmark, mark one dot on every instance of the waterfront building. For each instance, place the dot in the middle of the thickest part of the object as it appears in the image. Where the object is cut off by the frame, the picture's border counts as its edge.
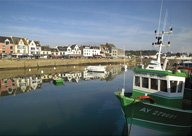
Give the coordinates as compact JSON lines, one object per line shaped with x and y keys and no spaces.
{"x":103,"y":48}
{"x":73,"y":51}
{"x":54,"y":52}
{"x":6,"y":46}
{"x":46,"y":50}
{"x":62,"y":50}
{"x":34,"y":48}
{"x":95,"y":51}
{"x":121,"y":53}
{"x":90,"y":51}
{"x":21,"y":46}
{"x":112,"y":50}
{"x":86,"y":51}
{"x":104,"y":51}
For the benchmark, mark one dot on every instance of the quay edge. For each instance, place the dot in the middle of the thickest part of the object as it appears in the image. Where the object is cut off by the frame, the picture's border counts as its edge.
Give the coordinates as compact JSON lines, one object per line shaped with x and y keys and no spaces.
{"x":36,"y":63}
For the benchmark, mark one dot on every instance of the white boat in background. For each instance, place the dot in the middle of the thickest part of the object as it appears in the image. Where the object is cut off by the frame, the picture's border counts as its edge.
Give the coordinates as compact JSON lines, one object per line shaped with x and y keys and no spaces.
{"x":96,"y":68}
{"x":124,"y":67}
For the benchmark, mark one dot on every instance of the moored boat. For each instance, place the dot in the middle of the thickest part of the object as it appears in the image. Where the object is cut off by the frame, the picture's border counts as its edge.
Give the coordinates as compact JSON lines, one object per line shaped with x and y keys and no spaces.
{"x":58,"y":79}
{"x":124,"y":67}
{"x":96,"y":68}
{"x":157,"y":100}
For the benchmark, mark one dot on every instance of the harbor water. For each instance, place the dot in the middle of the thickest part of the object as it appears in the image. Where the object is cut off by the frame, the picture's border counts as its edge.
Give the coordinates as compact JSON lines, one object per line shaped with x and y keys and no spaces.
{"x":84,"y":104}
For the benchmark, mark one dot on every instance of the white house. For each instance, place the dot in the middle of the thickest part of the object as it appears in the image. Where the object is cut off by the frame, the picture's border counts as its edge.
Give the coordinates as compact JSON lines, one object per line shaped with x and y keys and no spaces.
{"x":90,"y":51}
{"x":62,"y":50}
{"x":86,"y":51}
{"x":21,"y":46}
{"x":95,"y":50}
{"x":73,"y":50}
{"x":34,"y":47}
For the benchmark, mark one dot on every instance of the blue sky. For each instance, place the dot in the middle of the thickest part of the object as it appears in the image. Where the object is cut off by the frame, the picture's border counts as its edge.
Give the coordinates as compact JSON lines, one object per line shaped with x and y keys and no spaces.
{"x":129,"y":23}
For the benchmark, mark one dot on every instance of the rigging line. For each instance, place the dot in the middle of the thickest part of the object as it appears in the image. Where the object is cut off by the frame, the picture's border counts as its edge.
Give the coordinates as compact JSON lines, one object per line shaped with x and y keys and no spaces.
{"x":165,"y":20}
{"x":160,"y":15}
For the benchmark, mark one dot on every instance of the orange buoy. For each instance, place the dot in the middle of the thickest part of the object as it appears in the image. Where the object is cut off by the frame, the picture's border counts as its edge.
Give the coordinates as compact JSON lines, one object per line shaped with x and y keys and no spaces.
{"x":146,"y":97}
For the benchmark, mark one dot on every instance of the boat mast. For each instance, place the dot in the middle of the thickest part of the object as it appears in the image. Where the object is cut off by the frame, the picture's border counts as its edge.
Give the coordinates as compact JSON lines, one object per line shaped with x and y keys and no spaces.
{"x":160,"y":36}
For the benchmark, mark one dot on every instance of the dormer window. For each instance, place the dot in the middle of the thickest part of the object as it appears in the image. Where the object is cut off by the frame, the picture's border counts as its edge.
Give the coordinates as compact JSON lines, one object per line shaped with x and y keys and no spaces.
{"x":7,"y":42}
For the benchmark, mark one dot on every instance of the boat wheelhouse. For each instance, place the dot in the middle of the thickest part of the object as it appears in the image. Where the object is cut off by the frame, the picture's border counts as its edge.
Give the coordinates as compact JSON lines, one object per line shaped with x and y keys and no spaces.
{"x":165,"y":87}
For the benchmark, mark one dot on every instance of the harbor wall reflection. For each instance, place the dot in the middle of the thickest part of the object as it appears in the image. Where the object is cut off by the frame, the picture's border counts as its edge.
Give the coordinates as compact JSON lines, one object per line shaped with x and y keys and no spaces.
{"x":19,"y":82}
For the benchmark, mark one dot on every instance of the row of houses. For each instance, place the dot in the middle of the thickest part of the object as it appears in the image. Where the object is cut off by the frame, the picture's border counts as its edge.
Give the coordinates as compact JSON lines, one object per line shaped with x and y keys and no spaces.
{"x":24,"y":47}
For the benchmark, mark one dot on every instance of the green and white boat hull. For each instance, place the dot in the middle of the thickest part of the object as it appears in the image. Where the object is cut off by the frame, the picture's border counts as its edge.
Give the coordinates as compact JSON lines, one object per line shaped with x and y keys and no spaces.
{"x":155,"y":116}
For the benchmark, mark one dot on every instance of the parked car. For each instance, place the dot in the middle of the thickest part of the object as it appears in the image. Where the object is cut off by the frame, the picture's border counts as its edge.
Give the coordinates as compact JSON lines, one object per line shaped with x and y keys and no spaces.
{"x":43,"y":57}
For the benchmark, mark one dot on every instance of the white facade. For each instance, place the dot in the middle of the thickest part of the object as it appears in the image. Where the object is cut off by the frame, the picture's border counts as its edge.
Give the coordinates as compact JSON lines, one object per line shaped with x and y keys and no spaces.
{"x":87,"y":52}
{"x":21,"y":47}
{"x":90,"y":51}
{"x":34,"y":48}
{"x":73,"y":50}
{"x":95,"y":50}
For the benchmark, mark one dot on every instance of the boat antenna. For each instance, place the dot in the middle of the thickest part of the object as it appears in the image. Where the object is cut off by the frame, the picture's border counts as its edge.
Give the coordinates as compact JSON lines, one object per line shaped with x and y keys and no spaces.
{"x":160,"y":16}
{"x":160,"y":35}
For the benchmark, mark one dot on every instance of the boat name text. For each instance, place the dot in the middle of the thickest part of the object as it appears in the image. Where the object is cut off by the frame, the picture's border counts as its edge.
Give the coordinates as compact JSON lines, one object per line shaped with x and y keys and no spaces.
{"x":158,"y":113}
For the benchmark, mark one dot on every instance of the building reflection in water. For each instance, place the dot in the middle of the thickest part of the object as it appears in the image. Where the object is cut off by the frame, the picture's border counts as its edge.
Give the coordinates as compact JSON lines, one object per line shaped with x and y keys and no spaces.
{"x":13,"y":86}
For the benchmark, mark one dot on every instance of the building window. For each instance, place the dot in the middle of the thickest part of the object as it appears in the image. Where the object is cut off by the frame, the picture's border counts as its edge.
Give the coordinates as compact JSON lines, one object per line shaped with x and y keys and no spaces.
{"x":6,"y":42}
{"x":173,"y":85}
{"x":145,"y":82}
{"x":137,"y":81}
{"x":11,"y":51}
{"x":163,"y":85}
{"x":3,"y":47}
{"x":3,"y":51}
{"x":11,"y":47}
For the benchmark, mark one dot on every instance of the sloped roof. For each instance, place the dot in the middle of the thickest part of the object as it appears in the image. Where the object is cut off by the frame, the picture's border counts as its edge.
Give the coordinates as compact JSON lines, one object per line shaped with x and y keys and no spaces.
{"x":110,"y":45}
{"x":62,"y":48}
{"x":45,"y":48}
{"x":37,"y":43}
{"x":54,"y":50}
{"x":95,"y":47}
{"x":3,"y":38}
{"x":73,"y":46}
{"x":17,"y":39}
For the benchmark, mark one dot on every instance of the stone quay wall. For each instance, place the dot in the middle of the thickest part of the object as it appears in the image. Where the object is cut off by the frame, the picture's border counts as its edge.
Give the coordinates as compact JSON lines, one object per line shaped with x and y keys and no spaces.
{"x":36,"y":63}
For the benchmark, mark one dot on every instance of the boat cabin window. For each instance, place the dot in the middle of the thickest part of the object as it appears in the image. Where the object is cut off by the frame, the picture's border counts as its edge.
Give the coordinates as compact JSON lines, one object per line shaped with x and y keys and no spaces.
{"x":180,"y":86}
{"x":163,"y":85}
{"x":173,"y":85}
{"x":137,"y":81}
{"x":144,"y":82}
{"x":154,"y":84}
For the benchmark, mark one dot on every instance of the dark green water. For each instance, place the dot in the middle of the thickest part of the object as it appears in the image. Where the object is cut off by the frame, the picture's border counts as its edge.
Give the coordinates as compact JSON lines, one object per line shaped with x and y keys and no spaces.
{"x":87,"y":106}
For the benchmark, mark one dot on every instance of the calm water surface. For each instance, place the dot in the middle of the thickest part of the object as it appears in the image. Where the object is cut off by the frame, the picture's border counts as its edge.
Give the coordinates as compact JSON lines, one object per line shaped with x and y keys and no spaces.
{"x":84,"y":105}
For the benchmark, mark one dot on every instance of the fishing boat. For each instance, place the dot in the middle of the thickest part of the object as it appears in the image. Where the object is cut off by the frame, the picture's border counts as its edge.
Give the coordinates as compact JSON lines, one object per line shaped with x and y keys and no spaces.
{"x":96,"y":68}
{"x":58,"y":79}
{"x":158,"y":99}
